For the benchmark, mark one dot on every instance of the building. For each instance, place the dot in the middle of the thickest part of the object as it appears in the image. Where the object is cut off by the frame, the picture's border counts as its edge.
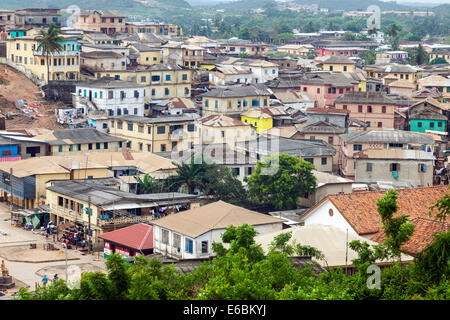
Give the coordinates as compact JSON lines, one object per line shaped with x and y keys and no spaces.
{"x":229,"y":75}
{"x":412,"y":168}
{"x":317,"y":152}
{"x":98,"y":38}
{"x":263,"y":71}
{"x":238,"y":46}
{"x":103,"y":60}
{"x":161,"y":134}
{"x":401,"y":87}
{"x":326,"y":184}
{"x":298,"y":50}
{"x":113,"y":97}
{"x":399,"y":71}
{"x":187,"y":55}
{"x":171,"y":30}
{"x":79,"y":141}
{"x":129,"y":242}
{"x":22,"y":145}
{"x":336,"y":63}
{"x":331,"y":241}
{"x":218,"y":129}
{"x":373,"y":108}
{"x":106,"y":21}
{"x":442,"y":53}
{"x":147,"y":55}
{"x":64,"y":65}
{"x":324,"y":88}
{"x":233,"y":100}
{"x":439,"y":83}
{"x":265,"y":118}
{"x":109,"y":208}
{"x":35,"y":17}
{"x":161,"y":81}
{"x":355,"y":144}
{"x":387,"y":57}
{"x":357,"y":212}
{"x":190,"y":234}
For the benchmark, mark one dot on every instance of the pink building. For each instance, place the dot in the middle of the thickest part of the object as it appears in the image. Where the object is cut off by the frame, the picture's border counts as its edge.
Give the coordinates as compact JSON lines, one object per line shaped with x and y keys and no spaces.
{"x":324,"y":88}
{"x":374,"y":108}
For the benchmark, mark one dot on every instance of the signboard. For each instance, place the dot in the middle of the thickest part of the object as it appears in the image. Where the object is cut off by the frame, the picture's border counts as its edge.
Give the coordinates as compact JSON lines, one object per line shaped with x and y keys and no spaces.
{"x":107,"y":251}
{"x":123,"y":252}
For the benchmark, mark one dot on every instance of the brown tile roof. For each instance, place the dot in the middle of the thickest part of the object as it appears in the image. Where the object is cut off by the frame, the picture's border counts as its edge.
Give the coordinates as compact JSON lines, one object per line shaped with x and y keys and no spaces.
{"x":424,"y":229}
{"x":326,"y":110}
{"x":219,"y":120}
{"x":360,"y":209}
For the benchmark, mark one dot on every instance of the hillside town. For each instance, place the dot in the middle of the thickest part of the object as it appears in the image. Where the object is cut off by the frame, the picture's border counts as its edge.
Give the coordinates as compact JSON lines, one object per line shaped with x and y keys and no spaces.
{"x":132,"y":138}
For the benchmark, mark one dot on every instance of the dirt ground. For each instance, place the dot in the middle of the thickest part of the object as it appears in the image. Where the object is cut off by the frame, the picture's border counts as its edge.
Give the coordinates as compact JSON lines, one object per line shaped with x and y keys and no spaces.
{"x":14,"y":85}
{"x":23,"y":253}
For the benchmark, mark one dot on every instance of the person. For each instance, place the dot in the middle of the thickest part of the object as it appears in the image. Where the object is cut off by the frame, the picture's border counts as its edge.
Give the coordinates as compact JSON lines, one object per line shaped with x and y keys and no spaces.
{"x":44,"y":280}
{"x":55,"y":277}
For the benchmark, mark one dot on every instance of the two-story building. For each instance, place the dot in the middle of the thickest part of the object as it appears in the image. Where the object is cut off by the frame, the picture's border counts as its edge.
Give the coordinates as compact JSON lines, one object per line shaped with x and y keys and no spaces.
{"x":373,"y":108}
{"x":113,"y":97}
{"x":336,"y":63}
{"x":187,"y":55}
{"x":147,"y":55}
{"x":440,"y":83}
{"x":161,"y":134}
{"x":238,"y":46}
{"x":154,"y":28}
{"x":263,"y":71}
{"x":161,"y":81}
{"x":64,"y":65}
{"x":399,"y":71}
{"x":355,"y":144}
{"x":233,"y":100}
{"x":106,"y":21}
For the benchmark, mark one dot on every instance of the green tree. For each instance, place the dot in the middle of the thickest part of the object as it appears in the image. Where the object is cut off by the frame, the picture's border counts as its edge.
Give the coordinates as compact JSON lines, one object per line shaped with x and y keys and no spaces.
{"x":438,"y":60}
{"x":349,"y":36}
{"x":220,"y":183}
{"x":420,"y":56}
{"x":189,"y":175}
{"x":283,"y":37}
{"x":368,"y":57}
{"x":292,"y":177}
{"x":149,"y":184}
{"x":49,"y":43}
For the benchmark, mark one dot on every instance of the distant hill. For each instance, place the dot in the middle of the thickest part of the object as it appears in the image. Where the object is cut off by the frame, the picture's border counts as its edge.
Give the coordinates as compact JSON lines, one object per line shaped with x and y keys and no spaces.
{"x":347,"y":5}
{"x":123,"y":5}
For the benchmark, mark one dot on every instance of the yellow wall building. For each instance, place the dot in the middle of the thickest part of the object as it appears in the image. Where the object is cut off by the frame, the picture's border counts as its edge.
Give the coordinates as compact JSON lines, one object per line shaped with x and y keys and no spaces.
{"x":258,"y":119}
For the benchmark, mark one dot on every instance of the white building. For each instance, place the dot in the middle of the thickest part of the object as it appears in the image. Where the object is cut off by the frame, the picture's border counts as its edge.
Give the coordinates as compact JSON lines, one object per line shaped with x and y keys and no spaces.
{"x":190,"y":234}
{"x":114,"y":97}
{"x":263,"y":71}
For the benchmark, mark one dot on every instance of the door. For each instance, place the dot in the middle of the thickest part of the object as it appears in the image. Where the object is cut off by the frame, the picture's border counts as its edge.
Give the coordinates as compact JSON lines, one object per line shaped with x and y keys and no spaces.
{"x":90,"y":95}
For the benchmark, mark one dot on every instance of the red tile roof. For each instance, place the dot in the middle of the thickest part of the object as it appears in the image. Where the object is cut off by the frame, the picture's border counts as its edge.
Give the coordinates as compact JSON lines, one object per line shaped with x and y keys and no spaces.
{"x":138,"y":236}
{"x":360,"y":209}
{"x":424,"y":229}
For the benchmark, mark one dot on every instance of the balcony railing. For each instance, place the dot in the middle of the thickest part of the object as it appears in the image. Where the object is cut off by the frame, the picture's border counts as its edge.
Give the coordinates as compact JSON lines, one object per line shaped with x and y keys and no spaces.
{"x":56,"y":54}
{"x":124,"y":220}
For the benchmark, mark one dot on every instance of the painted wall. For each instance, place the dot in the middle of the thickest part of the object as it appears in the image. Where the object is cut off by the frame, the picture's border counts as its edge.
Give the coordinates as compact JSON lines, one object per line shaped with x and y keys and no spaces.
{"x":420,"y":125}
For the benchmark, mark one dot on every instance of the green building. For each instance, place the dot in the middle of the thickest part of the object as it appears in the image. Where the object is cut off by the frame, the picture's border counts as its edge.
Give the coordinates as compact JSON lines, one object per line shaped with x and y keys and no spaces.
{"x":426,"y":119}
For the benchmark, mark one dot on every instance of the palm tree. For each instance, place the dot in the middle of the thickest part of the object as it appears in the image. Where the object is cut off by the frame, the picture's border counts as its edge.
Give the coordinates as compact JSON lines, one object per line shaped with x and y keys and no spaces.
{"x":49,"y":43}
{"x":148,"y":184}
{"x":420,"y":55}
{"x":190,"y":175}
{"x":393,"y":30}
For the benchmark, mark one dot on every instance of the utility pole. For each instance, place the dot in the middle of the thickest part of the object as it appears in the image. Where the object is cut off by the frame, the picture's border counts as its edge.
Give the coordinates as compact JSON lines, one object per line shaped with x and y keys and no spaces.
{"x":11,"y":193}
{"x":67,"y":276}
{"x":89,"y":224}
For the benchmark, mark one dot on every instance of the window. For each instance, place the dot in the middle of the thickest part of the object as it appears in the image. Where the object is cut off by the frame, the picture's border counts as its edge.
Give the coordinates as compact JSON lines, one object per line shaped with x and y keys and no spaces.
{"x":331,"y":68}
{"x":431,"y":124}
{"x":189,"y":245}
{"x":330,"y":140}
{"x":71,"y":148}
{"x":345,"y":68}
{"x":79,"y":147}
{"x":184,"y":76}
{"x":310,"y":160}
{"x":105,"y":145}
{"x":143,"y":79}
{"x":369,"y":109}
{"x":119,"y":112}
{"x":136,"y":94}
{"x":90,"y":146}
{"x":164,"y":236}
{"x":166,"y":91}
{"x":344,"y":107}
{"x":110,"y":94}
{"x":357,"y":147}
{"x":123,"y":95}
{"x":153,"y":92}
{"x":318,"y":90}
{"x":167,"y":77}
{"x":222,"y":133}
{"x":419,"y":124}
{"x":245,"y":103}
{"x":60,"y":148}
{"x":216,"y":104}
{"x":120,"y":144}
{"x":394,"y":167}
{"x":130,"y":127}
{"x":60,"y":201}
{"x":439,"y":124}
{"x":155,"y":78}
{"x":255,"y":102}
{"x":135,"y":111}
{"x":163,"y":147}
{"x":97,"y":146}
{"x":368,"y":166}
{"x":380,"y":124}
{"x":383,"y":109}
{"x":324,"y":161}
{"x":359,"y":108}
{"x":141,"y":128}
{"x":204,"y":246}
{"x":149,"y":130}
{"x":422,"y":167}
{"x":186,"y":91}
{"x":125,"y":111}
{"x":191,"y":127}
{"x":161,"y":129}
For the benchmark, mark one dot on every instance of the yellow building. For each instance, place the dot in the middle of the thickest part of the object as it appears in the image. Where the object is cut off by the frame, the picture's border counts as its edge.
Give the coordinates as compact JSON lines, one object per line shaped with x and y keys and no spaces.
{"x":154,"y":28}
{"x":337,"y":63}
{"x":105,"y":21}
{"x":440,"y":83}
{"x":147,"y":55}
{"x":401,"y":72}
{"x":163,"y":134}
{"x":444,"y":54}
{"x":64,"y":65}
{"x":298,"y":50}
{"x":161,"y":81}
{"x":217,"y":128}
{"x":234,"y":100}
{"x":258,"y":118}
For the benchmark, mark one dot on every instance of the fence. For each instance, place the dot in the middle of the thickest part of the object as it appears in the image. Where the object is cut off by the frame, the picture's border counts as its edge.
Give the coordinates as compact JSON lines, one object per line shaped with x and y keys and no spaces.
{"x":24,"y":71}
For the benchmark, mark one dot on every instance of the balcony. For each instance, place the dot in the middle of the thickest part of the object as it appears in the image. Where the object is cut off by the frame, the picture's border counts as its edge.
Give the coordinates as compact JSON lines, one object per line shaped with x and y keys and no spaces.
{"x":124,"y":221}
{"x":57,"y":54}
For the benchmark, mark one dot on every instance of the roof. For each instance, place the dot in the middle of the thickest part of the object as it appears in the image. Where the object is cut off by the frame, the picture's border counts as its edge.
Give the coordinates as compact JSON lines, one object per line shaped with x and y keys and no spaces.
{"x":402,"y":154}
{"x":76,"y":136}
{"x":387,"y":136}
{"x":335,"y":79}
{"x":143,"y":48}
{"x":235,"y":92}
{"x":109,"y":83}
{"x":147,"y":120}
{"x":365,"y":97}
{"x":359,"y":209}
{"x":394,"y":67}
{"x":99,"y":36}
{"x":427,"y":114}
{"x":293,"y":147}
{"x":424,"y":230}
{"x":337,"y":60}
{"x":324,"y":178}
{"x":214,"y":216}
{"x":138,"y":236}
{"x":401,"y":84}
{"x":292,"y":96}
{"x":331,"y":241}
{"x":101,"y":55}
{"x":435,"y":80}
{"x":219,"y":120}
{"x":103,"y":13}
